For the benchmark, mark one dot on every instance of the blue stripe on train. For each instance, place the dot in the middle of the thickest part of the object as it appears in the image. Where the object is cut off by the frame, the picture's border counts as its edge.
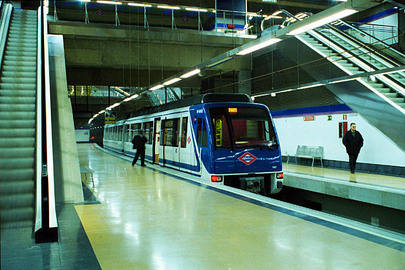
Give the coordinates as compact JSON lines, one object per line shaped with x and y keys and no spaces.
{"x":169,"y":162}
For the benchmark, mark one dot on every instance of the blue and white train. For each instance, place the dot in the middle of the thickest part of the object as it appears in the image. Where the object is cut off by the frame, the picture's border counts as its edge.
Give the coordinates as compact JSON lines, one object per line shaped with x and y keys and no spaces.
{"x":221,"y":138}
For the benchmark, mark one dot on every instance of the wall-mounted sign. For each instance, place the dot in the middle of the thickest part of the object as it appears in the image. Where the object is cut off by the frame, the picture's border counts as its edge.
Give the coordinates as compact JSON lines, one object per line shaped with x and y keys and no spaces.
{"x":109,"y":120}
{"x":345,"y":117}
{"x":309,"y":117}
{"x":329,"y":117}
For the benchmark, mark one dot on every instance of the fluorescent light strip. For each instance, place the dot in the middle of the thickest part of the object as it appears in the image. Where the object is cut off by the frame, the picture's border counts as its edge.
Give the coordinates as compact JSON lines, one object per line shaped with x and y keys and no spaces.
{"x":131,"y":97}
{"x":139,"y":5}
{"x":109,"y":2}
{"x":277,"y":12}
{"x":85,"y":1}
{"x":323,"y":21}
{"x":197,"y":9}
{"x":156,"y":87}
{"x":168,"y":7}
{"x":174,"y":80}
{"x":259,"y":46}
{"x":310,"y":86}
{"x":190,"y":73}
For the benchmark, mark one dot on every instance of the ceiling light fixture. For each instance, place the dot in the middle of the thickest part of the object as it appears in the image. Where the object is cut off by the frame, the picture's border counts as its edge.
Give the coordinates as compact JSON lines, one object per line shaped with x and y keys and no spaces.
{"x":168,"y":7}
{"x":323,"y":21}
{"x":259,"y":46}
{"x":109,"y":2}
{"x":190,"y":73}
{"x":172,"y":81}
{"x":139,"y":5}
{"x":156,"y":87}
{"x":197,"y":9}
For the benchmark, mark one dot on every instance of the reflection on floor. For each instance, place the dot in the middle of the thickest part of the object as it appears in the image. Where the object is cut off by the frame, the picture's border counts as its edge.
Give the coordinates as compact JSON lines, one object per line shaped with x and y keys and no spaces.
{"x":344,"y":175}
{"x":149,"y":220}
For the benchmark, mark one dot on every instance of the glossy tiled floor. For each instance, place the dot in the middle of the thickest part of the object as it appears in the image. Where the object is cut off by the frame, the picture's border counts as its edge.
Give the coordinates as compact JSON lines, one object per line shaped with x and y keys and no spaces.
{"x":345,"y":175}
{"x":148,"y":220}
{"x":73,"y":250}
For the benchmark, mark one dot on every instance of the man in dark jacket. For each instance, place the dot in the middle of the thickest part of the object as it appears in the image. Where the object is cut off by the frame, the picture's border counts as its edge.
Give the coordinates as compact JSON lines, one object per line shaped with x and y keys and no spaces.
{"x":138,"y":143}
{"x":353,"y":142}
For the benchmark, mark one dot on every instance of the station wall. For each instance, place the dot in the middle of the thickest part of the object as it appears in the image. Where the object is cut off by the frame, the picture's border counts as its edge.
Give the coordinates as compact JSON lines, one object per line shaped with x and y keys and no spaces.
{"x":377,"y":149}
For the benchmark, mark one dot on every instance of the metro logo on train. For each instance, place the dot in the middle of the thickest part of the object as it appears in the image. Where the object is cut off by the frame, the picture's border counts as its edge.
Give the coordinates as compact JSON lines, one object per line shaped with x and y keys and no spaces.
{"x":247,"y":158}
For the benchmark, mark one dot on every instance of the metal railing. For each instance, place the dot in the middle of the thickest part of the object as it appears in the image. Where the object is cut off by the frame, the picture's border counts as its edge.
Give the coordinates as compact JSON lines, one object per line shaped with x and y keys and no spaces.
{"x":46,"y":224}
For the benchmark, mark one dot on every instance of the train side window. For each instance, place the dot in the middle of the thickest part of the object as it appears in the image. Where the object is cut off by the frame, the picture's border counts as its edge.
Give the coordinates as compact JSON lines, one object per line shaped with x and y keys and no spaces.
{"x":204,"y":136}
{"x":148,"y":131}
{"x":170,"y":132}
{"x":199,"y":129}
{"x":184,"y":132}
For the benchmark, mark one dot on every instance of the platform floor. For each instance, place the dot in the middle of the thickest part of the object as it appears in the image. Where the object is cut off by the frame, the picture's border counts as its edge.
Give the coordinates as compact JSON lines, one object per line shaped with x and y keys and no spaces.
{"x":345,"y":175}
{"x":149,"y":220}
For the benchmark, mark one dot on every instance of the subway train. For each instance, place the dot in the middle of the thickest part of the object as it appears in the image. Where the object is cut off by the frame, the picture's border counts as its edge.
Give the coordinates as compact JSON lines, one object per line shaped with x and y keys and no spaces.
{"x":225,"y":139}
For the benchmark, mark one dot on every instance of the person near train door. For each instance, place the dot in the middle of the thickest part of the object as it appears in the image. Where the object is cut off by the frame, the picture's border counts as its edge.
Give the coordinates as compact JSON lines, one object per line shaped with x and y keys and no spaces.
{"x":353,"y":141}
{"x":138,"y":143}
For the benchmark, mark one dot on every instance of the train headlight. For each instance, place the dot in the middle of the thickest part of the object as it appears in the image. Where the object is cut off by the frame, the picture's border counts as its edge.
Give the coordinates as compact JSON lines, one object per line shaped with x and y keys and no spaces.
{"x":280,"y":175}
{"x":216,"y":178}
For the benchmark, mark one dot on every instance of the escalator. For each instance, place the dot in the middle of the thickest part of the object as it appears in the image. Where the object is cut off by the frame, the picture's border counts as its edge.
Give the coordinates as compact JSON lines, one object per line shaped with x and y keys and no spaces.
{"x":27,"y":198}
{"x":380,"y":99}
{"x":18,"y":90}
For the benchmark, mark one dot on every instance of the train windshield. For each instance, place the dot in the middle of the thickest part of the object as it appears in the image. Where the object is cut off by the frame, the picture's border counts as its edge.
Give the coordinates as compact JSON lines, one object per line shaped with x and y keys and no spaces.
{"x":242,"y":127}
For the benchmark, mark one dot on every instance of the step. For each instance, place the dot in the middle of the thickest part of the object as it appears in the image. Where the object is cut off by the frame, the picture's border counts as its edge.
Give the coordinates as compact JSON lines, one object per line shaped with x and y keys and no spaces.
{"x":390,"y":95}
{"x":17,"y":100}
{"x":383,"y":89}
{"x":24,"y":49}
{"x":14,"y":187}
{"x":17,"y":163}
{"x":17,"y":142}
{"x":18,"y":93}
{"x":14,"y":201}
{"x":18,"y":80}
{"x":12,"y":116}
{"x":20,"y":74}
{"x":398,"y":100}
{"x":29,"y":36}
{"x":18,"y":32}
{"x":11,"y":152}
{"x":18,"y":86}
{"x":17,"y":175}
{"x":22,"y":58}
{"x":17,"y":218}
{"x":25,"y":41}
{"x":15,"y":68}
{"x":20,"y":63}
{"x":16,"y":133}
{"x":17,"y":107}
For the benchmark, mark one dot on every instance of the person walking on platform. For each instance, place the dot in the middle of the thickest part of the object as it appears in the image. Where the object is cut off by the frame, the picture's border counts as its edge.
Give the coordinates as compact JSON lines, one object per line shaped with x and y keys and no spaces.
{"x":138,"y":143}
{"x":353,"y":142}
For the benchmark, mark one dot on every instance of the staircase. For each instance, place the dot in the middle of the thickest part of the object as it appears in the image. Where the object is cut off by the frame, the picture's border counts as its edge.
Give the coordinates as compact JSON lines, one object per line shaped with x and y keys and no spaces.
{"x":17,"y":122}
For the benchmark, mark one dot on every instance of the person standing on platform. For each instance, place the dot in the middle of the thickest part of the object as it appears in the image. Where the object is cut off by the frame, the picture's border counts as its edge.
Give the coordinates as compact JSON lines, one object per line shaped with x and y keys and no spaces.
{"x":353,"y":142}
{"x":138,"y":143}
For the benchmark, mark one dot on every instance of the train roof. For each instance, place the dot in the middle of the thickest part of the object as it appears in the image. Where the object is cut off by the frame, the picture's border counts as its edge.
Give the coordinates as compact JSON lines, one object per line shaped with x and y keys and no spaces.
{"x":194,"y":100}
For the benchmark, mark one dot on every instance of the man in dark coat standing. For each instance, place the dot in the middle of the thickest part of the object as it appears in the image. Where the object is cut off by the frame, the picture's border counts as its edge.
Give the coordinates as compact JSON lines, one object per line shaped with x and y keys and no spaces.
{"x":353,"y":142}
{"x":138,"y":143}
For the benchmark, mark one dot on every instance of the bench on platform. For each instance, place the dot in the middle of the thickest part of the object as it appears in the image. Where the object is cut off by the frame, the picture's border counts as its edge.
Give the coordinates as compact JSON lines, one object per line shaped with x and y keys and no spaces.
{"x":313,"y":152}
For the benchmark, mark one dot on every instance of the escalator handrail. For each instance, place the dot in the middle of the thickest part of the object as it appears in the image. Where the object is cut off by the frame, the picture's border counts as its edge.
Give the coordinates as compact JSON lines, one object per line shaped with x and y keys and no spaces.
{"x":367,"y":34}
{"x":38,"y":147}
{"x":49,"y":138}
{"x":5,"y":23}
{"x":366,"y":46}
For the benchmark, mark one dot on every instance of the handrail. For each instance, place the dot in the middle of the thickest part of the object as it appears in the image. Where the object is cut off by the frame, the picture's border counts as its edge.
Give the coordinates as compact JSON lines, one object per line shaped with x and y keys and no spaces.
{"x":49,"y":140}
{"x":38,"y":147}
{"x":46,"y":223}
{"x":5,"y":22}
{"x":367,"y":34}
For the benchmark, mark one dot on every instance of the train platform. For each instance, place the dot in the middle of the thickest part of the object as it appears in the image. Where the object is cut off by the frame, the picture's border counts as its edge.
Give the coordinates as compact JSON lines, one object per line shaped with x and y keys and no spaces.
{"x":382,"y":190}
{"x":151,"y":219}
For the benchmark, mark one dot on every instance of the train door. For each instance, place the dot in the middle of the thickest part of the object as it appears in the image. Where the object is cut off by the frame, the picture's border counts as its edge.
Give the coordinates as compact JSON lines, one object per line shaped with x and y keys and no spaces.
{"x":183,"y":151}
{"x":156,"y":140}
{"x":202,"y":141}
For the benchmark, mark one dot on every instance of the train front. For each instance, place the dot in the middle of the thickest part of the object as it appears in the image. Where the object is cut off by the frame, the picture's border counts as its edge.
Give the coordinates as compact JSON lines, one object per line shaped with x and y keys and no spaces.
{"x":245,"y":148}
